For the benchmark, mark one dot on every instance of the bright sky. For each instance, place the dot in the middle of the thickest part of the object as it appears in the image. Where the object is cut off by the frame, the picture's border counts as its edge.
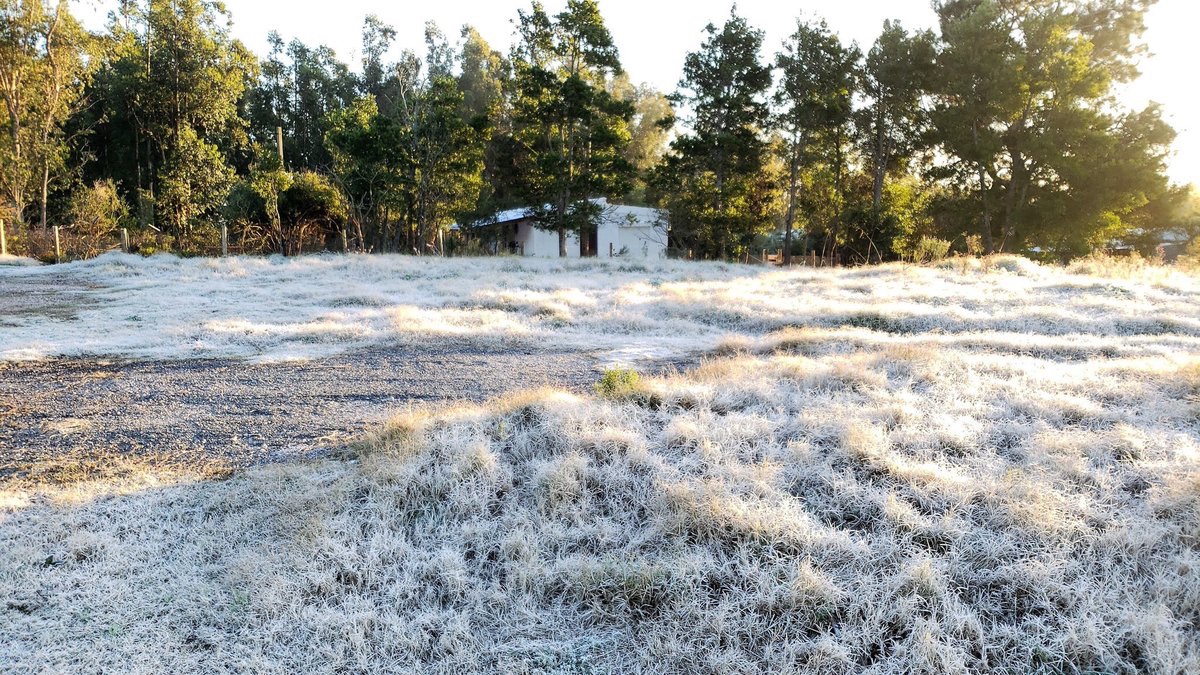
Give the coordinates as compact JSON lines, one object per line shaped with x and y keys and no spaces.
{"x":654,"y":35}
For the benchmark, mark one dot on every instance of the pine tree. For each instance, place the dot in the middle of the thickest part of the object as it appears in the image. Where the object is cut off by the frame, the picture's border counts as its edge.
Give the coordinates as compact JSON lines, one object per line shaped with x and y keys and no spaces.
{"x":818,"y":79}
{"x":893,"y":124}
{"x":570,"y":133}
{"x":1024,"y":115}
{"x":712,"y":172}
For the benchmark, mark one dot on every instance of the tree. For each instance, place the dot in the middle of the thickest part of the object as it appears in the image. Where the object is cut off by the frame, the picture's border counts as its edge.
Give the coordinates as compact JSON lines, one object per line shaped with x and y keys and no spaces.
{"x":299,"y":88}
{"x":1024,"y":112}
{"x":43,"y":71}
{"x":893,"y":124}
{"x":818,"y":78}
{"x":711,"y":171}
{"x":170,"y":91}
{"x":649,"y":130}
{"x":377,"y":38}
{"x":482,"y":78}
{"x":442,"y":153}
{"x":366,"y":167}
{"x":269,"y":179}
{"x":486,"y":85}
{"x":193,"y":182}
{"x":408,"y":169}
{"x":570,"y":132}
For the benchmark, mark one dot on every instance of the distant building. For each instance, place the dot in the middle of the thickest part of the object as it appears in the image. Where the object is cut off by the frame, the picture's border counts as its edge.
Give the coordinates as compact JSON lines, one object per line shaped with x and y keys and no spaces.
{"x":1166,"y":244}
{"x":623,"y":232}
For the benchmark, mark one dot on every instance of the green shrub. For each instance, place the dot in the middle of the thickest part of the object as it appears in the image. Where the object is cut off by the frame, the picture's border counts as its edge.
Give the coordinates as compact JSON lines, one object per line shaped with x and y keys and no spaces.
{"x":618,"y":383}
{"x":930,"y":249}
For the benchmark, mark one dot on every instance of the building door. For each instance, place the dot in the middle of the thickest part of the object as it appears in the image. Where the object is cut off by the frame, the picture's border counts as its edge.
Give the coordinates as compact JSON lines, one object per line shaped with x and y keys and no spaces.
{"x":589,"y":242}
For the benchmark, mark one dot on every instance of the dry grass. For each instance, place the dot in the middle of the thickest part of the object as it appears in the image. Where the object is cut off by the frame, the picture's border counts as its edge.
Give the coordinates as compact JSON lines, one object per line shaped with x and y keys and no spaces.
{"x":897,"y":493}
{"x":769,"y":514}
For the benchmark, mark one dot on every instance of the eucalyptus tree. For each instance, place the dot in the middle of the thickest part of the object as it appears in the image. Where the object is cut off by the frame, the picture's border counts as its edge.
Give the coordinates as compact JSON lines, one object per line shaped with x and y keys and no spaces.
{"x":44,"y":67}
{"x":170,"y":91}
{"x":299,"y":87}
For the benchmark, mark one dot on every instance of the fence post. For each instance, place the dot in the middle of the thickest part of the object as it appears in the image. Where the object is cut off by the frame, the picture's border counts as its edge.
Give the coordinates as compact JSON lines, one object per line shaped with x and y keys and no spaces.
{"x":3,"y":241}
{"x":57,"y":246}
{"x":224,"y":239}
{"x":124,"y":240}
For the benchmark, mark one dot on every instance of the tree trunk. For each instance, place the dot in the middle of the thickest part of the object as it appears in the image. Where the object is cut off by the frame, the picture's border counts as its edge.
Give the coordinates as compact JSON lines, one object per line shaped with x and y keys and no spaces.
{"x":989,"y":244}
{"x":793,"y":197}
{"x":877,"y":197}
{"x":881,"y":162}
{"x":1015,"y":195}
{"x":564,"y":200}
{"x":45,"y":191}
{"x":723,"y":230}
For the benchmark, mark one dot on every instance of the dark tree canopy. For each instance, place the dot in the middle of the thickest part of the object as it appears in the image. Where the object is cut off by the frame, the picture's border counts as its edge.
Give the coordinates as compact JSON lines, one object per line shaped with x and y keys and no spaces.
{"x":998,"y":130}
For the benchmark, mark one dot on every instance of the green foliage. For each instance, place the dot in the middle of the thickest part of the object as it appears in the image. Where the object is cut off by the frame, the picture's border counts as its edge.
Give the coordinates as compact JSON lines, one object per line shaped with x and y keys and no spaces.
{"x":482,"y":78}
{"x":929,"y":249}
{"x":818,"y":80}
{"x":167,"y":125}
{"x":366,"y":165}
{"x":299,"y":88}
{"x":570,"y":133}
{"x":193,"y":182}
{"x":443,"y":155}
{"x":618,"y":383}
{"x":408,"y":173}
{"x":1022,"y":113}
{"x":893,"y":126}
{"x":44,"y":67}
{"x":268,"y":179}
{"x":312,"y":198}
{"x":712,"y":179}
{"x":97,"y":210}
{"x":1006,"y":114}
{"x":649,"y":131}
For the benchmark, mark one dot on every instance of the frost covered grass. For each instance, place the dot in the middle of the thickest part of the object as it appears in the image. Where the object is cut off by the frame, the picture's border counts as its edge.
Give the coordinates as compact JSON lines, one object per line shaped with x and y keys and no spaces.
{"x":163,"y":307}
{"x":18,"y":261}
{"x":885,"y":470}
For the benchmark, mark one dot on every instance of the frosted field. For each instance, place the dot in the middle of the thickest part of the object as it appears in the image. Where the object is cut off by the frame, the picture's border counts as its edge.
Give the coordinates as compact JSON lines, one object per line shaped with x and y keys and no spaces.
{"x":896,"y":469}
{"x":278,"y":309}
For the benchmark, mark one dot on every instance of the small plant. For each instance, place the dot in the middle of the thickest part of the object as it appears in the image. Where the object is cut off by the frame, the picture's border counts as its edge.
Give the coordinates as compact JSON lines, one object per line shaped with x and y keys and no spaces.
{"x":974,"y":244}
{"x":930,"y":249}
{"x":618,"y":383}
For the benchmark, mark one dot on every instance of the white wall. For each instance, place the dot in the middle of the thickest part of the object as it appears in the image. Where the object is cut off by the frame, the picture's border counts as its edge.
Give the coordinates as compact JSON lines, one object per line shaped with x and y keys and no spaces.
{"x":641,"y":232}
{"x":608,"y":238}
{"x":647,"y":242}
{"x":544,"y":243}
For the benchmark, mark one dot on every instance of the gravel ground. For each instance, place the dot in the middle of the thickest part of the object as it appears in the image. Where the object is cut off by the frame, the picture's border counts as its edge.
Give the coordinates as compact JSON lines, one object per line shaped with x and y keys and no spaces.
{"x":70,"y":418}
{"x":203,"y":413}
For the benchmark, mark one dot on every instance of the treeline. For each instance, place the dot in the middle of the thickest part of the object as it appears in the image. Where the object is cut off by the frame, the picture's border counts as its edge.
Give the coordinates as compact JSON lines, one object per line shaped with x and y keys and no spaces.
{"x":997,"y":132}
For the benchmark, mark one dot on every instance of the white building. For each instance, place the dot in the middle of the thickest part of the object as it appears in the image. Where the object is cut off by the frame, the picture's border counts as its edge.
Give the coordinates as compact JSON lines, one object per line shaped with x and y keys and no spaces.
{"x":622,"y":232}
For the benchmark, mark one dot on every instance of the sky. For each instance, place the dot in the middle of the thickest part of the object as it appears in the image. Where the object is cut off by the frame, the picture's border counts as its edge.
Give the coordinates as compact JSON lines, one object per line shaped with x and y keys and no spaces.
{"x":654,"y":35}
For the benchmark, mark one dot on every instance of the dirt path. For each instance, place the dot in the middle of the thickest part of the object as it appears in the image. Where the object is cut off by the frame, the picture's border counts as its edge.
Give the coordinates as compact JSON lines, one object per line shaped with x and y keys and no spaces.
{"x":200,"y":413}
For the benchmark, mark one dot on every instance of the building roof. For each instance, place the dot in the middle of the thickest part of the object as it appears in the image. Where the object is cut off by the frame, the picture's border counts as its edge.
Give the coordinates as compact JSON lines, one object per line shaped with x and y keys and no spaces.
{"x":620,"y":214}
